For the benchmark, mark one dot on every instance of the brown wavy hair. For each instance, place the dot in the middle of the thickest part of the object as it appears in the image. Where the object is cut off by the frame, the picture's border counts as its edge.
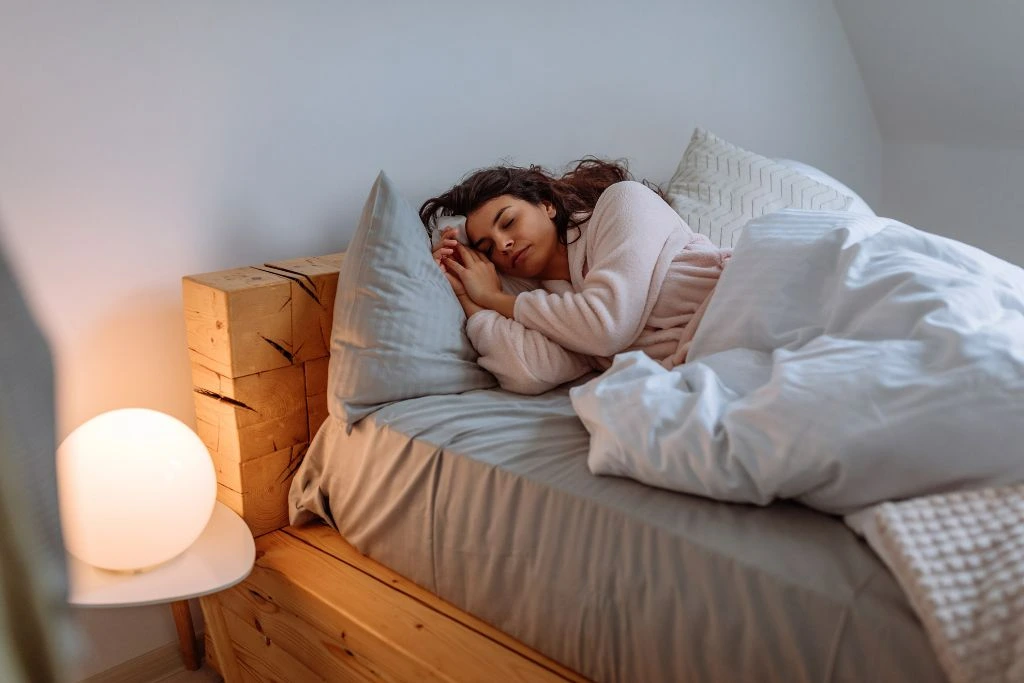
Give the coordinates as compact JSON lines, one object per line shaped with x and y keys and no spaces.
{"x":573,"y":195}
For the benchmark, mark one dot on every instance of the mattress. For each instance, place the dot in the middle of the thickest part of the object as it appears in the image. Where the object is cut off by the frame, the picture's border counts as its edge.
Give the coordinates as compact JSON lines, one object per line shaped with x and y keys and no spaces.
{"x":485,"y":499}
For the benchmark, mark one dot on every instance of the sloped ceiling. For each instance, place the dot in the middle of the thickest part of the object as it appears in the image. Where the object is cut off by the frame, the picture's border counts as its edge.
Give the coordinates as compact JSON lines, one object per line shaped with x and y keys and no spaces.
{"x":942,"y":71}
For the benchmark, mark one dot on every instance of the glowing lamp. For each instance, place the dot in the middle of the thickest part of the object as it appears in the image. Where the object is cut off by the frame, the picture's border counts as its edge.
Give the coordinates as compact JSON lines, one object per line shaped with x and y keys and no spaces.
{"x":137,"y":487}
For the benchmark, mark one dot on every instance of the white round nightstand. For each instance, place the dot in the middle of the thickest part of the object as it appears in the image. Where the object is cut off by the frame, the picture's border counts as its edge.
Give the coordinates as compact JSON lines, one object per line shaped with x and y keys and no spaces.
{"x":222,"y":556}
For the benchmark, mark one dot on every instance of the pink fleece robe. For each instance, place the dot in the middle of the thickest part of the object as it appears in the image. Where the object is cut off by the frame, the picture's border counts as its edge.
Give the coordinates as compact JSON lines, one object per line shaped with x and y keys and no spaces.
{"x":640,"y":281}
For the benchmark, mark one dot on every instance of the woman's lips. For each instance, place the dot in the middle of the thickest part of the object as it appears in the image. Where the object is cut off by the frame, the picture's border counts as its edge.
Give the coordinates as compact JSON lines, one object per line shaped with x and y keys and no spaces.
{"x":518,"y":256}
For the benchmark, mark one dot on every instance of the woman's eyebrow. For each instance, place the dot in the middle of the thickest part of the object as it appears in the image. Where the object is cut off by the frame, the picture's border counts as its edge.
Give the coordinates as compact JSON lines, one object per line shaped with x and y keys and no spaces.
{"x":498,"y":215}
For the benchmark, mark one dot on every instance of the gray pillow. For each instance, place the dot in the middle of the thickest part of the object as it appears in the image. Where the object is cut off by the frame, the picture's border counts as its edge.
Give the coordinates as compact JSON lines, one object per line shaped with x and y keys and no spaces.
{"x":399,"y":331}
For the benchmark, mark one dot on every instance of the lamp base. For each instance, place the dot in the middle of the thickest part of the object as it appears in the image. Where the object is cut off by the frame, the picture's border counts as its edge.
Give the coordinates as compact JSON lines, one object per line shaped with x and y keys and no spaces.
{"x":131,"y":572}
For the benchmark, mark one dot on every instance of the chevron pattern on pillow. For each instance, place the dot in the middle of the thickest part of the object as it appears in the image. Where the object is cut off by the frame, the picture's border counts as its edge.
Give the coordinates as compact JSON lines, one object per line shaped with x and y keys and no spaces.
{"x":719,"y":187}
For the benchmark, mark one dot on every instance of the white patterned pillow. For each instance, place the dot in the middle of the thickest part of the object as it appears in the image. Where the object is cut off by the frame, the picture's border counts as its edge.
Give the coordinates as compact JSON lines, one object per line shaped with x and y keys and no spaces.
{"x":858,"y":206}
{"x":719,"y":187}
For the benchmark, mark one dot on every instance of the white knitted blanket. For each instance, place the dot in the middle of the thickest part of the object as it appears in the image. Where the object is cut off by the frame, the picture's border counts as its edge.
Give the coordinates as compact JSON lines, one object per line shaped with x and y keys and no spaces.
{"x":960,"y":559}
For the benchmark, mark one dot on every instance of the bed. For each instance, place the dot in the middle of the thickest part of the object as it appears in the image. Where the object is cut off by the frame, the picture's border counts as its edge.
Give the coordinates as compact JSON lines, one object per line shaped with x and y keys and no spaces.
{"x":414,"y":522}
{"x":468,"y":556}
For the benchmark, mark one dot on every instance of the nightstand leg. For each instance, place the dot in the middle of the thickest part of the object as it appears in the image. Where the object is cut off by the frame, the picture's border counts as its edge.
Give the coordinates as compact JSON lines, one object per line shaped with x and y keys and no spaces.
{"x":186,"y":634}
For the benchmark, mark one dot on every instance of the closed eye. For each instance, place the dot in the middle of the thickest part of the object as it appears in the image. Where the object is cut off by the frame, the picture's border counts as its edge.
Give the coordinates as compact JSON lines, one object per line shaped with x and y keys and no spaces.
{"x":486,"y":246}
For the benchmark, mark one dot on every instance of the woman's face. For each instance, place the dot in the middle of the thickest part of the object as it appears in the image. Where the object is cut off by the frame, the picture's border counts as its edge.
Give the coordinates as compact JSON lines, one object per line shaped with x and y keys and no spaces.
{"x":518,"y":237}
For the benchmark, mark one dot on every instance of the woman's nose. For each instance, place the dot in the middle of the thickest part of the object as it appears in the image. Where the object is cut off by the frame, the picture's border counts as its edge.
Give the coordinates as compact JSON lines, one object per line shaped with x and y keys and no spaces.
{"x":509,"y":243}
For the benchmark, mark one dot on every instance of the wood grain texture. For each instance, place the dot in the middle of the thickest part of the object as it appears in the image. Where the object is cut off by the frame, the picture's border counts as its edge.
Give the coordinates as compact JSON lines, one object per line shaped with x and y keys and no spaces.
{"x":259,"y":341}
{"x":260,"y":659}
{"x":263,"y":511}
{"x":238,"y":321}
{"x":314,"y":284}
{"x":217,"y":629}
{"x":316,"y":392}
{"x":328,"y":654}
{"x":210,"y":653}
{"x":256,"y":429}
{"x":251,"y":416}
{"x":313,"y":608}
{"x":360,"y":623}
{"x":186,"y":634}
{"x":329,"y":541}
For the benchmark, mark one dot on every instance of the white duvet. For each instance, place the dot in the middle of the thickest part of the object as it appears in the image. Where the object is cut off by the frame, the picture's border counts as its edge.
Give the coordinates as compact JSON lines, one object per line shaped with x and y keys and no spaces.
{"x":844,"y":361}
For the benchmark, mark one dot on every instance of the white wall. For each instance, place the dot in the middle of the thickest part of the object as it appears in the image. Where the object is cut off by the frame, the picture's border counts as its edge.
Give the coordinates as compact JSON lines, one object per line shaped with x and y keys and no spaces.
{"x":946,"y":81}
{"x":970,"y":193}
{"x":941,"y":70}
{"x":145,"y":141}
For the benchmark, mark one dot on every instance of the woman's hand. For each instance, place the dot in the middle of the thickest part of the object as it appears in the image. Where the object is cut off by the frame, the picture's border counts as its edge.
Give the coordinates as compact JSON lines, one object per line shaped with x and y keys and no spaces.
{"x":476,"y":273}
{"x":457,"y":287}
{"x":445,"y":249}
{"x":468,"y":307}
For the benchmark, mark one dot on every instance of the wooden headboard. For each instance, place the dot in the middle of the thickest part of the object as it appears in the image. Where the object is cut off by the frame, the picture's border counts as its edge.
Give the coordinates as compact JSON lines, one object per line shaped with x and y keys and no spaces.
{"x":259,"y":342}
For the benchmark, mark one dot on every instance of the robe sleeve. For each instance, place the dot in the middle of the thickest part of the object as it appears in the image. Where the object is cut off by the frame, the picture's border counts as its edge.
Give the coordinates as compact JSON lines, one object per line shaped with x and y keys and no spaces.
{"x":523,"y":360}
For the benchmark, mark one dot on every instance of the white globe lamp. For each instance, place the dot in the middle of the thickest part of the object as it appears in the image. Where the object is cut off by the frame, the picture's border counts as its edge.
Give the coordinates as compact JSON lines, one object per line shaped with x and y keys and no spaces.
{"x":137,"y":488}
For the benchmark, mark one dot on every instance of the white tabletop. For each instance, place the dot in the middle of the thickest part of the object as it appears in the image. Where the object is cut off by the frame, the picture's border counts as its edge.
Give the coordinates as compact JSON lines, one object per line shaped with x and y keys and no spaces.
{"x":222,"y":556}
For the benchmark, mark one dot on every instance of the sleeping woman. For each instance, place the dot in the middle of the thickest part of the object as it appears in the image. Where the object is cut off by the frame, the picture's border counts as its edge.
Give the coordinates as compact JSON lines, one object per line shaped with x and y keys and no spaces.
{"x":620,"y":271}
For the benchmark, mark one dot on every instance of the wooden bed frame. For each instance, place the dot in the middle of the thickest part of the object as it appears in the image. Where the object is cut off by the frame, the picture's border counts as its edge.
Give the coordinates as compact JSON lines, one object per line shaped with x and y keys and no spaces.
{"x":313,"y":608}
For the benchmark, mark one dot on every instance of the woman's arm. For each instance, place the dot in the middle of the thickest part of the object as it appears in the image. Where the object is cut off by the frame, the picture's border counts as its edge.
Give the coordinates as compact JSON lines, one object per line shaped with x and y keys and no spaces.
{"x":524,"y":361}
{"x":469,"y":307}
{"x":500,"y":302}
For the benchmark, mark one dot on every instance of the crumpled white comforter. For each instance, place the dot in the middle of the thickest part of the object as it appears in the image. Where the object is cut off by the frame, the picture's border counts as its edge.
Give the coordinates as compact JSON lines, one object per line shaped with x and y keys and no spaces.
{"x":844,"y":361}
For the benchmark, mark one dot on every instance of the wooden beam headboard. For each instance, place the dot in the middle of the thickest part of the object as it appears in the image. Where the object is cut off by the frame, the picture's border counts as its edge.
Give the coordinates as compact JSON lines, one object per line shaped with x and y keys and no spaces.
{"x":259,"y":342}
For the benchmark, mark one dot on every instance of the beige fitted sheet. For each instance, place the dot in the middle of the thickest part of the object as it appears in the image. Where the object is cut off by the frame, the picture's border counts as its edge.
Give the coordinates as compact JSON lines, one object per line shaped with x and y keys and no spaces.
{"x":485,"y":499}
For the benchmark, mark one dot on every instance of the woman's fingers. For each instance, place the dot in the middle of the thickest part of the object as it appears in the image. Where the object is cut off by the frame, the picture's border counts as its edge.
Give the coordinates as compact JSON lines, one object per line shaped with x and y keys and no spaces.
{"x":445,"y":249}
{"x":467,"y":255}
{"x":441,"y":253}
{"x":456,"y":284}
